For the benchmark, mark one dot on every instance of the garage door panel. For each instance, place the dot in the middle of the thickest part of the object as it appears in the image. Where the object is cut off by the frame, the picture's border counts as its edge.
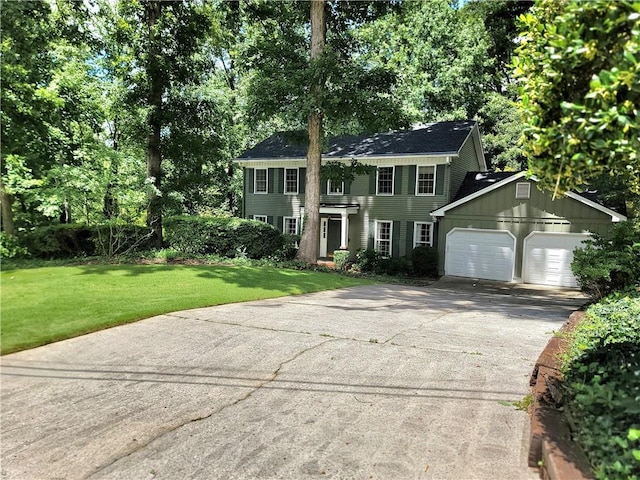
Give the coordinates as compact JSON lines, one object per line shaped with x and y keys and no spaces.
{"x":548,"y":257}
{"x":487,"y":254}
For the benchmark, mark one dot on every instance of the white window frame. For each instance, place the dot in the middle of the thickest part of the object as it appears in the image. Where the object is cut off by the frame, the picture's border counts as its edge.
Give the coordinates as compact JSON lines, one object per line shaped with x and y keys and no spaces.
{"x":284,"y":187}
{"x":266,"y":181}
{"x":418,"y":167}
{"x":417,"y":243}
{"x":284,"y":225}
{"x":393,"y":180}
{"x":260,"y":218}
{"x":520,"y":194}
{"x":329,"y":192}
{"x":378,"y":240}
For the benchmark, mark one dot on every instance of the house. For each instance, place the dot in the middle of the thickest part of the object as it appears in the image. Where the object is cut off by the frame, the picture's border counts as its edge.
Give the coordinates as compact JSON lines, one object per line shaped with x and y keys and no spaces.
{"x":417,"y":171}
{"x":500,"y":226}
{"x":430,"y":187}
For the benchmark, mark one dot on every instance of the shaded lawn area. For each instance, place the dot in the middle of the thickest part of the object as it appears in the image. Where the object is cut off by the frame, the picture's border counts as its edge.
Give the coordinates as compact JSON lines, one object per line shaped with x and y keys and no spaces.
{"x":48,"y":304}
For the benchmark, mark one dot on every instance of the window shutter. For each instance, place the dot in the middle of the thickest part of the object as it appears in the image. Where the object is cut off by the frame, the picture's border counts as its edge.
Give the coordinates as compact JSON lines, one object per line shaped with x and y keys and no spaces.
{"x":280,"y":182}
{"x":372,"y":235}
{"x":397,"y":180}
{"x":323,"y":186}
{"x":395,"y":239}
{"x":279,"y":223}
{"x":347,"y":188}
{"x":372,"y":182}
{"x":303,"y":179}
{"x":412,"y":180}
{"x":409,"y":238}
{"x":440,"y":169}
{"x":249,"y":177}
{"x":269,"y":219}
{"x":271,"y":173}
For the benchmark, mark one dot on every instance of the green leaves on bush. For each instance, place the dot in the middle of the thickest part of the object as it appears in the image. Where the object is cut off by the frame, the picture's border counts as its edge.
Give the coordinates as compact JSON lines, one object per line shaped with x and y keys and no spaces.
{"x":603,"y":373}
{"x":425,"y":261}
{"x":225,"y":236}
{"x":341,"y":258}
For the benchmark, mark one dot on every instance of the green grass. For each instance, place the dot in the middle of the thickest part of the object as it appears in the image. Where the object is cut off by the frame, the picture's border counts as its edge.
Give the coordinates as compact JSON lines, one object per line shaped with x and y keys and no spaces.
{"x":48,"y":304}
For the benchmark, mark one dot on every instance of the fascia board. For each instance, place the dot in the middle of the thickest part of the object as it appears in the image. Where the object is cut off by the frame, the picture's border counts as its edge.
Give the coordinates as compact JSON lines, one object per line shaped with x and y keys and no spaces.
{"x":615,"y":216}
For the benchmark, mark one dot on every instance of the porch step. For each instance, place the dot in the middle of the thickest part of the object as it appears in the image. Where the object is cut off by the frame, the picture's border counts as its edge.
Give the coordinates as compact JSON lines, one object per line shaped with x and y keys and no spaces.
{"x":327,"y":263}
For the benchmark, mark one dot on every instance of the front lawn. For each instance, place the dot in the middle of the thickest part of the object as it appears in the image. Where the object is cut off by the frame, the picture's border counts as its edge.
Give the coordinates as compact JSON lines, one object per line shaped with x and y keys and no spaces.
{"x":48,"y":304}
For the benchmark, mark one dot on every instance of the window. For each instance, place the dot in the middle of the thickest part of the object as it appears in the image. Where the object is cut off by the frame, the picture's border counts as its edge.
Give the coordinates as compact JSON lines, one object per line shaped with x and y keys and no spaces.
{"x":383,"y":238}
{"x":260,"y":181}
{"x":523,"y":190}
{"x":422,"y":234}
{"x":291,"y":180}
{"x":290,"y":225}
{"x":426,"y":180}
{"x":335,"y":188}
{"x":385,"y":181}
{"x":260,"y":218}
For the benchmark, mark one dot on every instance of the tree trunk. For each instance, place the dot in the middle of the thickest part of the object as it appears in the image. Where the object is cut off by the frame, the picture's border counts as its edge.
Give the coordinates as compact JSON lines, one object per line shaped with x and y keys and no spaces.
{"x":308,"y":251}
{"x":6,"y":202}
{"x":154,"y":124}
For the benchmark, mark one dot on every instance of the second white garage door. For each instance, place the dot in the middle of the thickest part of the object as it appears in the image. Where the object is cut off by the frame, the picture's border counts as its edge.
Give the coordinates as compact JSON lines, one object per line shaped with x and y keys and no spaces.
{"x":488,"y":254}
{"x":548,"y":256}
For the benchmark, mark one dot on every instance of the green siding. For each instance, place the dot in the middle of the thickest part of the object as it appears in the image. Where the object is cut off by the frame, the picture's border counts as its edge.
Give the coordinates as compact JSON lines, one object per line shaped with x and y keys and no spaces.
{"x":500,"y":210}
{"x":467,"y":161}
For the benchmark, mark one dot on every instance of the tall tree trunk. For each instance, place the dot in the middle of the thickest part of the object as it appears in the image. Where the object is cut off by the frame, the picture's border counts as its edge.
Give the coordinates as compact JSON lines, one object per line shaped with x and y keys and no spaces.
{"x":6,"y":203}
{"x":110,"y":202}
{"x":155,"y":78}
{"x":308,"y":251}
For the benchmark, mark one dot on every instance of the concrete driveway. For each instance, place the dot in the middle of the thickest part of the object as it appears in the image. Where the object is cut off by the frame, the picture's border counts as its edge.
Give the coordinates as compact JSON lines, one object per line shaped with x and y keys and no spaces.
{"x":384,"y":382}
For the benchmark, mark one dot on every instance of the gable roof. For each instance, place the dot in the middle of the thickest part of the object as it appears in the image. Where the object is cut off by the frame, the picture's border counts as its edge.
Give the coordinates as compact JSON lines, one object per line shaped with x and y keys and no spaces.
{"x":442,"y":138}
{"x":476,"y":184}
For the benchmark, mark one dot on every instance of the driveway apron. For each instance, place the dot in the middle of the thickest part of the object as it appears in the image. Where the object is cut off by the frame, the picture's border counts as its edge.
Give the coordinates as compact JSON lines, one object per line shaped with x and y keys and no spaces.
{"x":383,"y":381}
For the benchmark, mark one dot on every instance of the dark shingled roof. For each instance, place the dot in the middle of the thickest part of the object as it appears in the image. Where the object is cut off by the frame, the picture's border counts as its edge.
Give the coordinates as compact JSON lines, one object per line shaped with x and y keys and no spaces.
{"x":442,"y":137}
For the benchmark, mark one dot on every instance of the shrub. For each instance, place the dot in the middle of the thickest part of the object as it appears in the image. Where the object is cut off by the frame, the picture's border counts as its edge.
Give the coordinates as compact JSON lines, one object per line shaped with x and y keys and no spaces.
{"x":341,"y":259}
{"x":367,"y":260}
{"x":425,"y":261}
{"x":602,"y":371}
{"x":113,"y":239}
{"x":609,"y":263}
{"x":225,"y":236}
{"x":394,"y":266}
{"x":10,"y":247}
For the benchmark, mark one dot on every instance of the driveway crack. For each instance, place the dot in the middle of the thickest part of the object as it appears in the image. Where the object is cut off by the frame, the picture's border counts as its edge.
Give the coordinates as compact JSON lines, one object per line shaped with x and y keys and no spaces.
{"x":172,"y":428}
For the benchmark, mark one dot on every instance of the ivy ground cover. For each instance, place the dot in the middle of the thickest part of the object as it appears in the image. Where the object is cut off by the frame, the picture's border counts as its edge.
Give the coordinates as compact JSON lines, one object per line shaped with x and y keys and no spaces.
{"x":48,"y":304}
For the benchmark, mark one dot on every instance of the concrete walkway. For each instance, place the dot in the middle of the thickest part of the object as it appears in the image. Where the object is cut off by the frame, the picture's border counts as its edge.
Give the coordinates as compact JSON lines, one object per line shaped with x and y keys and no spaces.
{"x":384,"y":382}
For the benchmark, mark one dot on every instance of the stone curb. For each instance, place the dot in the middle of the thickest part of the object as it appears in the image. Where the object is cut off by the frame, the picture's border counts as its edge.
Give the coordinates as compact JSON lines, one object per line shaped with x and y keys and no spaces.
{"x":551,"y":448}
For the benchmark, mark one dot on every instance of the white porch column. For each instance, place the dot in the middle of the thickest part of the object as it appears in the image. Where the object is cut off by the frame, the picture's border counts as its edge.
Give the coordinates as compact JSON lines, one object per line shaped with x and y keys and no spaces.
{"x":344,"y":230}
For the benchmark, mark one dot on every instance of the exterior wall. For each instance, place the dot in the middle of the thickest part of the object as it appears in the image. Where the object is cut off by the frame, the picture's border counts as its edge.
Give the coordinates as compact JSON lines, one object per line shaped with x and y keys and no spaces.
{"x":500,"y":210}
{"x":403,"y":207}
{"x":467,"y":161}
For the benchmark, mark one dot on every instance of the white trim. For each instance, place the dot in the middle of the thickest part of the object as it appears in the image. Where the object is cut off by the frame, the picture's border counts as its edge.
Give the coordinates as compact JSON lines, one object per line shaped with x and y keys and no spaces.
{"x":615,"y":216}
{"x":266,"y":181}
{"x":284,"y":225}
{"x":260,"y":218}
{"x":334,"y":194}
{"x":284,"y":187}
{"x":396,"y":159}
{"x":435,"y":169}
{"x":393,"y":180}
{"x":376,"y":239}
{"x":415,"y":231}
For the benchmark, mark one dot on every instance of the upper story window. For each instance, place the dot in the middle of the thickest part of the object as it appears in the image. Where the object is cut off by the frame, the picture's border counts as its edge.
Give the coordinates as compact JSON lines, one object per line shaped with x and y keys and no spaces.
{"x":335,"y":188}
{"x":426,"y":180}
{"x":523,"y":190}
{"x":385,"y":181}
{"x":290,"y":225}
{"x":383,"y":237}
{"x":260,"y":180}
{"x":422,"y":234}
{"x":291,"y":180}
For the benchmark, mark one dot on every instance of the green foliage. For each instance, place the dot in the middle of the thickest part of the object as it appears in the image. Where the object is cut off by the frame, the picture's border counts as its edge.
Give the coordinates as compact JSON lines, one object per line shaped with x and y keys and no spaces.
{"x":10,"y":247}
{"x":337,"y":171}
{"x":394,"y":266}
{"x":341,"y":258}
{"x":367,"y":260}
{"x":609,"y":263}
{"x":578,"y":65}
{"x":287,"y":252}
{"x":602,"y":371}
{"x":223,"y":236}
{"x":425,"y":261}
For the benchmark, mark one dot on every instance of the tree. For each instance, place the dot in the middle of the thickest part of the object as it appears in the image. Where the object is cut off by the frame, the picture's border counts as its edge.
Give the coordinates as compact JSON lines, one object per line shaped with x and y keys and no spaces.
{"x":578,"y":66}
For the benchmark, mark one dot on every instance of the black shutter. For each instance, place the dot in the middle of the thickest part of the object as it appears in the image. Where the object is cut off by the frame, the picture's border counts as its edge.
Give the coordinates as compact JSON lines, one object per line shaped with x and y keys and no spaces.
{"x":372,"y":235}
{"x":395,"y":240}
{"x":412,"y":179}
{"x":279,"y":223}
{"x":249,"y":177}
{"x":440,"y":169}
{"x":303,"y":179}
{"x":409,"y":239}
{"x":271,"y":174}
{"x":323,"y":186}
{"x":372,"y":182}
{"x":347,"y":188}
{"x":397,"y":181}
{"x":269,"y":219}
{"x":280,"y":180}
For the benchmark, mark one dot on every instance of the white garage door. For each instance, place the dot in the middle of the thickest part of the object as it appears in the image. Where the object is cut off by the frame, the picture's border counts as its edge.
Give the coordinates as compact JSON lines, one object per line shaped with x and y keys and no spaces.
{"x":547,"y":258}
{"x":488,"y":254}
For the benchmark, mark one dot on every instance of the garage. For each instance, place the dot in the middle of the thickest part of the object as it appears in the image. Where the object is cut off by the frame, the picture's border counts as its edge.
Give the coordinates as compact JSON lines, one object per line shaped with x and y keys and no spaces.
{"x":547,"y":258}
{"x":477,"y":253}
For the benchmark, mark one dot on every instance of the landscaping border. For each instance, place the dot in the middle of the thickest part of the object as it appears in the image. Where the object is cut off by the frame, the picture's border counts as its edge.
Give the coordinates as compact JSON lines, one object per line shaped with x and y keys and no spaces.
{"x":551,"y":448}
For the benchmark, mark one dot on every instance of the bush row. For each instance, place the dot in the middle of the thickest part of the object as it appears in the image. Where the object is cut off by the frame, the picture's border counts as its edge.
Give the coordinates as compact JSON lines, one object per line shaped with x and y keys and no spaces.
{"x":423,"y":262}
{"x":602,"y":372}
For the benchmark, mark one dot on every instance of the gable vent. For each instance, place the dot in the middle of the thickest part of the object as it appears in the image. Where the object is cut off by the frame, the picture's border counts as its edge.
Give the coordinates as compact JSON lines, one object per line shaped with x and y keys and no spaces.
{"x":523,"y":190}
